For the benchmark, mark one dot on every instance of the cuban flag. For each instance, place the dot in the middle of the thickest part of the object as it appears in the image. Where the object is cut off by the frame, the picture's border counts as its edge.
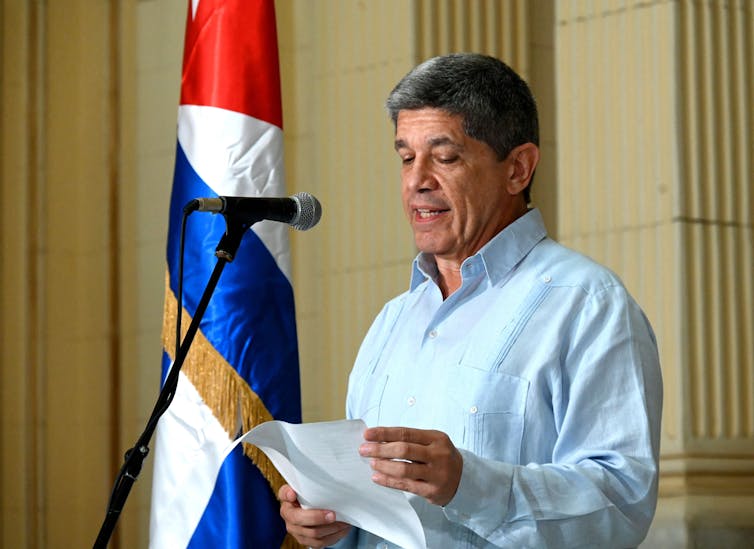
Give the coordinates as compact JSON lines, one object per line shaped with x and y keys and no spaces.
{"x":242,"y":368}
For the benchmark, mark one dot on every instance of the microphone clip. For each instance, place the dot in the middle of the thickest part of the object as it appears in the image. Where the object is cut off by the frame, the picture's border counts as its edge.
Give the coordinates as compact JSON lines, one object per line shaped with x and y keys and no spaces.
{"x":235,"y":227}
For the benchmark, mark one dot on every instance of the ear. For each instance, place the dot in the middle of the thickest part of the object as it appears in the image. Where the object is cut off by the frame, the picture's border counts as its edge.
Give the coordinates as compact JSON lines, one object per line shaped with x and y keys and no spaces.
{"x":522,"y":161}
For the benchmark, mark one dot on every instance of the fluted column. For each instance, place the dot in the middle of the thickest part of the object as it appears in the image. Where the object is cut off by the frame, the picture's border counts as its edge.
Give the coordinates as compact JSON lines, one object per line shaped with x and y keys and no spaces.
{"x":656,"y":124}
{"x":498,"y":28}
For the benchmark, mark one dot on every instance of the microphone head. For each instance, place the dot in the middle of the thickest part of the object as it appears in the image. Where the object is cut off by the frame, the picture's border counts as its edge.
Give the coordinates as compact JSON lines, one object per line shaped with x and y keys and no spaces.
{"x":309,"y":211}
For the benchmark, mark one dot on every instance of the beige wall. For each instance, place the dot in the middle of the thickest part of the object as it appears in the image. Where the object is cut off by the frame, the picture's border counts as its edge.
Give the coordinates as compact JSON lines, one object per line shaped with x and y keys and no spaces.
{"x":647,"y":142}
{"x":337,"y":58}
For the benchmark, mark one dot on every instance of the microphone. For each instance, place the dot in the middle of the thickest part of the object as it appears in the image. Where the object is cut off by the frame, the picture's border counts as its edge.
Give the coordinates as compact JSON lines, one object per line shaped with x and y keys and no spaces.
{"x":302,"y":211}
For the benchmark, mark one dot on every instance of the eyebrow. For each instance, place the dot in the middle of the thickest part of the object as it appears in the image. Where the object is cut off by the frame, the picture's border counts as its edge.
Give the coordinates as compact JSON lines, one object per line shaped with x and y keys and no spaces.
{"x":433,"y":142}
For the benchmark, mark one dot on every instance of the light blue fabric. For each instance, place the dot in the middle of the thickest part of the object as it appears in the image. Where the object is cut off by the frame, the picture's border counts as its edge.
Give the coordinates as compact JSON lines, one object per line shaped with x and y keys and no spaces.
{"x":544,"y":372}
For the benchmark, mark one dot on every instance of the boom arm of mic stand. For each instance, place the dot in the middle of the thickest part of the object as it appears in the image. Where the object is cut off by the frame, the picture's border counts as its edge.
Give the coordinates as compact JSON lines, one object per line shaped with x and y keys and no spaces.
{"x":134,"y":458}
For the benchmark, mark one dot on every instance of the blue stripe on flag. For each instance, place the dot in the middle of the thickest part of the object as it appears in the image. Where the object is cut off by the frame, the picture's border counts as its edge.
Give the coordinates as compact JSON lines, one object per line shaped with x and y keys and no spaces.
{"x":257,"y":526}
{"x":250,"y":319}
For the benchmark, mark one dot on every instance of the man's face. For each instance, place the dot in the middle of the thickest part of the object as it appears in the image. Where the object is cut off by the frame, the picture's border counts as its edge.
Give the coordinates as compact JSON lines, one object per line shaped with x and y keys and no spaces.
{"x":453,"y":186}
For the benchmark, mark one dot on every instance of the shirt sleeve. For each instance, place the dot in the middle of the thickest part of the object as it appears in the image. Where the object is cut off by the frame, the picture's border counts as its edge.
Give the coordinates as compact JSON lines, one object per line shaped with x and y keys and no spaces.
{"x":601,"y":487}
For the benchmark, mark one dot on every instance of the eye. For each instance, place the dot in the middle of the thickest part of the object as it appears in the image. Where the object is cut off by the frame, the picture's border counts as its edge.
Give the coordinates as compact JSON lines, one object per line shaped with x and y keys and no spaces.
{"x":407,"y":159}
{"x":447,"y":159}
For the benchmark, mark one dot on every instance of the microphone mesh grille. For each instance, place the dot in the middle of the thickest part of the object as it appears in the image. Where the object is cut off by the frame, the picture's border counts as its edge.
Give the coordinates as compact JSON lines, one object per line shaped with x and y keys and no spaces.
{"x":309,"y":211}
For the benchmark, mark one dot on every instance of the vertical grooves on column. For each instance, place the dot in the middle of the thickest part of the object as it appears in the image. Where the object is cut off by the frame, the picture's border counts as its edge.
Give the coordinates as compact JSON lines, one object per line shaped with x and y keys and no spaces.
{"x":494,"y":28}
{"x":727,"y":396}
{"x":726,"y":25}
{"x":615,"y":105}
{"x":691,"y":166}
{"x":745,"y":210}
{"x":460,"y":27}
{"x":37,"y":388}
{"x":717,"y":120}
{"x":444,"y":29}
{"x":491,"y":13}
{"x":114,"y":245}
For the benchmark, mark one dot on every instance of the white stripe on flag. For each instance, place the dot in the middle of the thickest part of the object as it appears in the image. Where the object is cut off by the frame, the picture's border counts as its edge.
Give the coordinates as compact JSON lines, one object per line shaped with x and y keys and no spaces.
{"x":184,"y":479}
{"x":237,"y":155}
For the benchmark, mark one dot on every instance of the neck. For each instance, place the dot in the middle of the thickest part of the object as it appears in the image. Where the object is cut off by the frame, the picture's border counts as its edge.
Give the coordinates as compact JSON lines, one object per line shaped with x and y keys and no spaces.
{"x":449,"y":278}
{"x":449,"y":270}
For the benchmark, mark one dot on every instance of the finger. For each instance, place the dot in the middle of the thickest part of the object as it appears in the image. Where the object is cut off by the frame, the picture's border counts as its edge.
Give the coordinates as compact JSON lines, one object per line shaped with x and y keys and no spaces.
{"x":418,"y":487}
{"x":400,"y":434}
{"x":435,"y":493}
{"x":311,"y":527}
{"x":402,"y":451}
{"x":400,"y":468}
{"x":297,"y":517}
{"x":432,"y":471}
{"x":321,"y":538}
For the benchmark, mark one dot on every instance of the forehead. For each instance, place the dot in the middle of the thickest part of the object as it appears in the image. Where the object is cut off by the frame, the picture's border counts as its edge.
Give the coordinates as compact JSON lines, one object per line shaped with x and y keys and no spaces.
{"x":428,"y":125}
{"x":432,"y":129}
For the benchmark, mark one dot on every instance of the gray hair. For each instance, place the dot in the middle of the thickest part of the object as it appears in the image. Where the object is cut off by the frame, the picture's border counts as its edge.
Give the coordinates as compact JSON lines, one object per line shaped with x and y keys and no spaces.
{"x":493,"y":101}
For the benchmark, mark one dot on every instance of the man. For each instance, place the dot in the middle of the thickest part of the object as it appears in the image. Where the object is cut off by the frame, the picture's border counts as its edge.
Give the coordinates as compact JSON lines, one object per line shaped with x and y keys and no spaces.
{"x":514,"y":390}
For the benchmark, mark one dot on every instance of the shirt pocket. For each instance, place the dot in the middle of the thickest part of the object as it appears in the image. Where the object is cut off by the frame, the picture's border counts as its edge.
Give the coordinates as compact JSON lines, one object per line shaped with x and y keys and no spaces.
{"x":491,"y":407}
{"x":490,"y":348}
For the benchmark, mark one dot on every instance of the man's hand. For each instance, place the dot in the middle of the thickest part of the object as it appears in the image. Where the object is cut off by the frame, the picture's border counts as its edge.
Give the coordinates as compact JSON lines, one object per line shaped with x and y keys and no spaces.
{"x":311,"y":527}
{"x":422,"y":462}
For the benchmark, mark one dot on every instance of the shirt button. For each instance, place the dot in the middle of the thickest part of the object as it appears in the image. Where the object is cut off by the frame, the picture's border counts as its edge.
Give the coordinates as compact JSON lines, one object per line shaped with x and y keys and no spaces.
{"x":547,"y":279}
{"x":433,"y":334}
{"x":473,"y":409}
{"x":382,"y":546}
{"x":411,"y":401}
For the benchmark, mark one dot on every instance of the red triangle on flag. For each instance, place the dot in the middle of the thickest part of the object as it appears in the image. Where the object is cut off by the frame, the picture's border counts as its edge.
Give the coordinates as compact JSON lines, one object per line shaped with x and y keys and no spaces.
{"x":230,"y":58}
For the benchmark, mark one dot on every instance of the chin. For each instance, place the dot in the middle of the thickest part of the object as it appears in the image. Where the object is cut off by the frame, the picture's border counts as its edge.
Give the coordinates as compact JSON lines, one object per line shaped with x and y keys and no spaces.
{"x":428,"y":247}
{"x":431,"y":242}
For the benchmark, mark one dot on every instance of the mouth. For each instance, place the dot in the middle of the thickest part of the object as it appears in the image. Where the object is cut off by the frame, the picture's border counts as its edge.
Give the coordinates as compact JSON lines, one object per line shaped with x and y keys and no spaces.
{"x":423,"y":214}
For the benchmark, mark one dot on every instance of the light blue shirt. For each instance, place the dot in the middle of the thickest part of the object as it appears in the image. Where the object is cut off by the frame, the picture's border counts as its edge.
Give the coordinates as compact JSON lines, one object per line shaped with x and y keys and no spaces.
{"x":544,"y":373}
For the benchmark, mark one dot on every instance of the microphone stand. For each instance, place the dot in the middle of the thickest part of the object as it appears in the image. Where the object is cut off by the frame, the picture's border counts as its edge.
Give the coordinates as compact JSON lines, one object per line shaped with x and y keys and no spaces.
{"x":134,"y":457}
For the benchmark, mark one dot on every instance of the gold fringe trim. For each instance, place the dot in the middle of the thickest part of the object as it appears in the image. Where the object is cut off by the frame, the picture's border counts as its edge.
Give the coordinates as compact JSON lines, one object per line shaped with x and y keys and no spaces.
{"x":225,"y":392}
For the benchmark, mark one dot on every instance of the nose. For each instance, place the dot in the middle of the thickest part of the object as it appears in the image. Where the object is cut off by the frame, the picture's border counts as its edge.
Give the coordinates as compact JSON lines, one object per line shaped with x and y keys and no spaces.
{"x":418,"y":177}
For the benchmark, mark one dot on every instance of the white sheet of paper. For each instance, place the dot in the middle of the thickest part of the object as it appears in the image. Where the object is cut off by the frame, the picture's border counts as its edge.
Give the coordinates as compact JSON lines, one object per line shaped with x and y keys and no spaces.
{"x":322,"y":464}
